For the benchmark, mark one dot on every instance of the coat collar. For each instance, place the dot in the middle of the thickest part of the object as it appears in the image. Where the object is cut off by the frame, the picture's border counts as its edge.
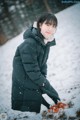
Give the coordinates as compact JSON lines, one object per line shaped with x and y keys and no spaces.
{"x":41,"y":38}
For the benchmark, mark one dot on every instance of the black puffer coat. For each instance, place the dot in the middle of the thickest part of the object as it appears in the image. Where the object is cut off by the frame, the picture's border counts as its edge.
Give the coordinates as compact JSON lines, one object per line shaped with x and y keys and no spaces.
{"x":29,"y":73}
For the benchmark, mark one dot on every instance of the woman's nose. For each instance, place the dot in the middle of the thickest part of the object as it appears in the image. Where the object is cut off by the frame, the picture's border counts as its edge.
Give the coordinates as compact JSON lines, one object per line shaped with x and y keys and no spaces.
{"x":50,"y":28}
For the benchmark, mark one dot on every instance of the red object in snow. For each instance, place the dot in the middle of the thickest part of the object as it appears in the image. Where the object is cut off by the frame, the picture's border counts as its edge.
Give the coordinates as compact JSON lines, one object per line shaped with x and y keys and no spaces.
{"x":62,"y":105}
{"x":57,"y":107}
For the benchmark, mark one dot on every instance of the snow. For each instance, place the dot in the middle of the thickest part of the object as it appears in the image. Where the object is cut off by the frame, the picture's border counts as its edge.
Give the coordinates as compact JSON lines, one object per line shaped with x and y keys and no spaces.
{"x":63,"y":66}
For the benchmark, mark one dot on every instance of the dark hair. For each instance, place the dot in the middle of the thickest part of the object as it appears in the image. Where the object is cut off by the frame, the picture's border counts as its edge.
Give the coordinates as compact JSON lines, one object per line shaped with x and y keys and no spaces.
{"x":49,"y":18}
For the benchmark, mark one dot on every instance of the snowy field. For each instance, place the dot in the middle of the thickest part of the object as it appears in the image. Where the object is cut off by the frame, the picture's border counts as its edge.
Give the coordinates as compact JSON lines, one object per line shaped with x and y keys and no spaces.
{"x":63,"y":67}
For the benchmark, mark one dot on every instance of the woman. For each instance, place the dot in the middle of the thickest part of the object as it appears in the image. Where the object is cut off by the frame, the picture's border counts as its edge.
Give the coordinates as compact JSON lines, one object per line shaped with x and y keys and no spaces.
{"x":30,"y":69}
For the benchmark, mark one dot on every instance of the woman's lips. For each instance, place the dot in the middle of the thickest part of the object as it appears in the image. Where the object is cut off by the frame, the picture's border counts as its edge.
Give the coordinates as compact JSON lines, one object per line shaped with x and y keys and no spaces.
{"x":48,"y":32}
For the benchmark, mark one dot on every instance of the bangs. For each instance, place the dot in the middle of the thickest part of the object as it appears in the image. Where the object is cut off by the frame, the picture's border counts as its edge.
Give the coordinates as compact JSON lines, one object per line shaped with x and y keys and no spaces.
{"x":49,"y":19}
{"x":51,"y":22}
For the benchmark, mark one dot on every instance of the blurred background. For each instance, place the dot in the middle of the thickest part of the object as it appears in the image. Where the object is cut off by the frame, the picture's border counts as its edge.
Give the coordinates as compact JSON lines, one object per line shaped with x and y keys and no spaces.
{"x":16,"y":15}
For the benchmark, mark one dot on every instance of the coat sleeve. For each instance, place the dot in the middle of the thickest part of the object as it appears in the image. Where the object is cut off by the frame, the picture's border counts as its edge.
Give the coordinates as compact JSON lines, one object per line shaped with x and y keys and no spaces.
{"x":44,"y":70}
{"x":29,"y":59}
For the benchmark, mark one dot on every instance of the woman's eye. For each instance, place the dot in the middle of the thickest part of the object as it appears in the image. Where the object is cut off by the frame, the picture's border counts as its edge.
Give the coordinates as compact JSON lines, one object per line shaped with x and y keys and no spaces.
{"x":48,"y":24}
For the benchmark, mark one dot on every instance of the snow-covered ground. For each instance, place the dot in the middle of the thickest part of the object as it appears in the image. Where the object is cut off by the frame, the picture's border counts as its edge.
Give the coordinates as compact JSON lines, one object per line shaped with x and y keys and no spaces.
{"x":63,"y":66}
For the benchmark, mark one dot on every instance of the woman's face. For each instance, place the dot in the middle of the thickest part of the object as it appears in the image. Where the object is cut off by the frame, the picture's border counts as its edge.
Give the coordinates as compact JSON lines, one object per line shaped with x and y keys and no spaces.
{"x":47,"y":30}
